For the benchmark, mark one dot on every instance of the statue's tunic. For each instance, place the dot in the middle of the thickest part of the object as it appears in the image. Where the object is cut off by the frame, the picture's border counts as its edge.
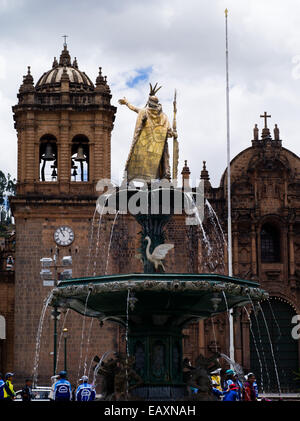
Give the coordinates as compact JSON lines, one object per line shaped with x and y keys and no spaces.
{"x":149,"y":157}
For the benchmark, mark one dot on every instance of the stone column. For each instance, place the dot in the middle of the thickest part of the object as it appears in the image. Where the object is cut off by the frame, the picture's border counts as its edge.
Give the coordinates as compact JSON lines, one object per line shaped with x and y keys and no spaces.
{"x":285,"y":192}
{"x":201,"y":337}
{"x":246,"y":342}
{"x":226,"y":256}
{"x":37,"y":160}
{"x":284,"y":251}
{"x":291,"y":251}
{"x":29,"y":151}
{"x":256,"y":198}
{"x":108,"y":154}
{"x":92,"y":162}
{"x":253,"y":251}
{"x":64,"y":153}
{"x":99,"y":157}
{"x":235,"y":250}
{"x":21,"y":159}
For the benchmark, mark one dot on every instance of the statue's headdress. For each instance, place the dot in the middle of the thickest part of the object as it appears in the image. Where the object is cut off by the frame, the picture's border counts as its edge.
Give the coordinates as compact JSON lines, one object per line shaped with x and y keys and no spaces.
{"x":153,"y":89}
{"x":153,"y":100}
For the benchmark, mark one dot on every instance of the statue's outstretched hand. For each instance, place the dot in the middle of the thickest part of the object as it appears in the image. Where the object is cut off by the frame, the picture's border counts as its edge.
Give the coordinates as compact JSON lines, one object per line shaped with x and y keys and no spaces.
{"x":123,"y":101}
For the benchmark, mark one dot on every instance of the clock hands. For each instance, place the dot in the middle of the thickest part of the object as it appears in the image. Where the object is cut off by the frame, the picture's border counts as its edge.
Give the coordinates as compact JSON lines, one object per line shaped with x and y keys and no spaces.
{"x":64,"y":236}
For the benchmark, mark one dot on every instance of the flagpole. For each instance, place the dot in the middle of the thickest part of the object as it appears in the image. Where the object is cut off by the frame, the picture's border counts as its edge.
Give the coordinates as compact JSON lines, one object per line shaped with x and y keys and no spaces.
{"x":229,"y":248}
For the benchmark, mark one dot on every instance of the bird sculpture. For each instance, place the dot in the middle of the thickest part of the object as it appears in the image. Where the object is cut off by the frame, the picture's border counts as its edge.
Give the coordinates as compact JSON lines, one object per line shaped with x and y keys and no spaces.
{"x":158,"y":254}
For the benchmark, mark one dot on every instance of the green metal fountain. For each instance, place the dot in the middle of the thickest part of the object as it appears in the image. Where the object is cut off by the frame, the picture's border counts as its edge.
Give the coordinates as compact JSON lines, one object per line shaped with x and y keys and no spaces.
{"x":154,"y":307}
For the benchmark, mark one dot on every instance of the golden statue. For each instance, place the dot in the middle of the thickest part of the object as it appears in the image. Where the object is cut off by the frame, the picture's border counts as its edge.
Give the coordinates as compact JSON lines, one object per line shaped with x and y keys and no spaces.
{"x":149,"y":156}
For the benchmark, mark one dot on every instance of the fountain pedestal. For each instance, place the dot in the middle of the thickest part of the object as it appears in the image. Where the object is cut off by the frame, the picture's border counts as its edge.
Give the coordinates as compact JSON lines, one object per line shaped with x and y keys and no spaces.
{"x":158,"y":360}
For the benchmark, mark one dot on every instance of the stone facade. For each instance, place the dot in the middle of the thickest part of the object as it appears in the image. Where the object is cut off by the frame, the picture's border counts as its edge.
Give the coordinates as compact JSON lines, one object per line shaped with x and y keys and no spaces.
{"x":65,"y":110}
{"x":7,"y":301}
{"x":265,"y":191}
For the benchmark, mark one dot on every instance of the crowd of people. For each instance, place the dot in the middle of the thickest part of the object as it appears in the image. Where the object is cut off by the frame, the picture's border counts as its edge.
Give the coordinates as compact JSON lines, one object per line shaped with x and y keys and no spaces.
{"x":227,"y":388}
{"x":231,"y":388}
{"x":61,"y":389}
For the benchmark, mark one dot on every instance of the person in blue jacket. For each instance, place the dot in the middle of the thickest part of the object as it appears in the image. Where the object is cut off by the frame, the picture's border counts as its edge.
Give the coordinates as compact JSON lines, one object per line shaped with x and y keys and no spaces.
{"x":231,"y":394}
{"x":62,"y":388}
{"x":85,"y":391}
{"x":2,"y":384}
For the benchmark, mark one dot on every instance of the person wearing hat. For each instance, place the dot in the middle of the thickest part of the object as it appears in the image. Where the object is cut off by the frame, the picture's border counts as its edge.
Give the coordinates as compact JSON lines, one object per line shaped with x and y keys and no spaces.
{"x":62,"y":388}
{"x":9,"y":393}
{"x":254,"y":383}
{"x":249,"y":390}
{"x":232,"y":393}
{"x":85,"y":391}
{"x":217,"y":393}
{"x":54,"y":379}
{"x":2,"y":383}
{"x":229,"y":379}
{"x":216,"y":379}
{"x":239,"y":385}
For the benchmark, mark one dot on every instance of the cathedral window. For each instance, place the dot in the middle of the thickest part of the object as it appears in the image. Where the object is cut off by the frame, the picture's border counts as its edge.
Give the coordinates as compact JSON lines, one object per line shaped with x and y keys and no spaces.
{"x":48,"y":158}
{"x":80,"y":158}
{"x":270,"y":244}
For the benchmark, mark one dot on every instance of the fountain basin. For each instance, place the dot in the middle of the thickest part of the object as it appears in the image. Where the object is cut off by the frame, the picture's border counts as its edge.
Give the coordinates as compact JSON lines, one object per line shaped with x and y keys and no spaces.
{"x":180,"y":296}
{"x":155,"y":308}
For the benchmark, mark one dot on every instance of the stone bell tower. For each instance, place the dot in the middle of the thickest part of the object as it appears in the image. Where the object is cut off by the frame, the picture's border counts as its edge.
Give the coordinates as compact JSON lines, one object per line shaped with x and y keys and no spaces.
{"x":64,"y":124}
{"x":62,"y":115}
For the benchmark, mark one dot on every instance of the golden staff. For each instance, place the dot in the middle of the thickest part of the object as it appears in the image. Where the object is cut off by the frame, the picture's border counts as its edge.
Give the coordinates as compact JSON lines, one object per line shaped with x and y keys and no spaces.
{"x":175,"y":141}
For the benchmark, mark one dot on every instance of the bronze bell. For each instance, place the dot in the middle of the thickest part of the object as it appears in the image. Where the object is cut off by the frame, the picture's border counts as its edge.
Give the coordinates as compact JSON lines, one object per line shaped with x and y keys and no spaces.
{"x":80,"y":155}
{"x":48,"y":155}
{"x":54,"y":173}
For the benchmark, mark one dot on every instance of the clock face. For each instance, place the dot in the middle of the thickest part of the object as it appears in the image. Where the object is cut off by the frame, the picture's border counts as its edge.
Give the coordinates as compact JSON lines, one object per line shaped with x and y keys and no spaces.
{"x":64,"y":236}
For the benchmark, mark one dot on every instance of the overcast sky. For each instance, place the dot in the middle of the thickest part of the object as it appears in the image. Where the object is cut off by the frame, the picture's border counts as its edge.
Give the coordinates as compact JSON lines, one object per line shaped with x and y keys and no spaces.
{"x":177,"y":43}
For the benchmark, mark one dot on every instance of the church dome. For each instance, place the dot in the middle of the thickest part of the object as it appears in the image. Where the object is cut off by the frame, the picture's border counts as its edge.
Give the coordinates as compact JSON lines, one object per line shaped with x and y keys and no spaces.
{"x":65,"y":70}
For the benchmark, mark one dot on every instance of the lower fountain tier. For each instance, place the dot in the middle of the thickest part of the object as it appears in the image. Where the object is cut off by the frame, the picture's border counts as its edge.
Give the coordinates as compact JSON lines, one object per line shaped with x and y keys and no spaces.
{"x":154,"y":308}
{"x":162,"y":299}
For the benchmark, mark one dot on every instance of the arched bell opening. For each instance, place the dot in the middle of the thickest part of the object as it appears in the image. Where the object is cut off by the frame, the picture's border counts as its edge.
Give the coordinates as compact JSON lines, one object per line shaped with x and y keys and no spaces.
{"x":80,"y":158}
{"x":48,"y":158}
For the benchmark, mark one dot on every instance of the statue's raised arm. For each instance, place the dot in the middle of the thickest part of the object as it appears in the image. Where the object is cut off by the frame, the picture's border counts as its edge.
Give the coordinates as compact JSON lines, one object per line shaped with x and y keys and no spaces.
{"x":148,"y":158}
{"x":124,"y":101}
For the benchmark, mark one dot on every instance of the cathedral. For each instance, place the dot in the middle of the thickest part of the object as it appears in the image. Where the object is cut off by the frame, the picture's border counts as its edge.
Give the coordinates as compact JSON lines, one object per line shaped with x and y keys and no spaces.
{"x":64,"y":124}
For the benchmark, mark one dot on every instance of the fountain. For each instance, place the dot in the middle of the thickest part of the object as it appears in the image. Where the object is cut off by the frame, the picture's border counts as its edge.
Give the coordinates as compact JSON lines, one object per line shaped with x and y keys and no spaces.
{"x":154,"y":307}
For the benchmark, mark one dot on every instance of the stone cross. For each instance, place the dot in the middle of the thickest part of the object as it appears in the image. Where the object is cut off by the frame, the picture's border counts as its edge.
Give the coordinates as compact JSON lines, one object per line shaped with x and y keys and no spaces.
{"x":265,"y":116}
{"x":65,"y":39}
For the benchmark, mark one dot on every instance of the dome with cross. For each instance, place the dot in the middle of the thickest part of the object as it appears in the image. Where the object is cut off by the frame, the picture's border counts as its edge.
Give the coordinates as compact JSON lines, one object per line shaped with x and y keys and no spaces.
{"x":64,"y":70}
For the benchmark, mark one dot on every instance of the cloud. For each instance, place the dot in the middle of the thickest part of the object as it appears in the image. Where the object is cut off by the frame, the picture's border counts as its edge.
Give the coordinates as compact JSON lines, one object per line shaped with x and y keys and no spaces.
{"x":139,"y":75}
{"x":179,"y":44}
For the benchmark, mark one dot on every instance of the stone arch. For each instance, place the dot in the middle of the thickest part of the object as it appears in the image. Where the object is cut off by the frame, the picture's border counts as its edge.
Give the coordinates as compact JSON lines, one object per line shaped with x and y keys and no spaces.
{"x":278,"y":163}
{"x":80,"y":158}
{"x":274,"y":347}
{"x":48,"y":157}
